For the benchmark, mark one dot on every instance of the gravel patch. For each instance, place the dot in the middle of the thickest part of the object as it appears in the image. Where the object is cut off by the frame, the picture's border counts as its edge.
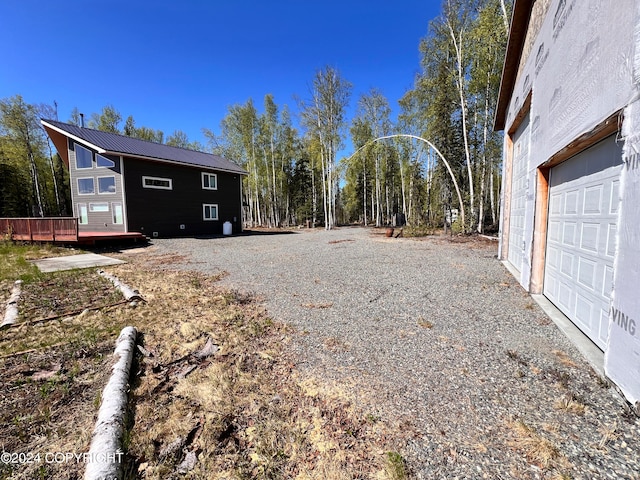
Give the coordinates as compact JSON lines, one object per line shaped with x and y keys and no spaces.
{"x":435,"y":337}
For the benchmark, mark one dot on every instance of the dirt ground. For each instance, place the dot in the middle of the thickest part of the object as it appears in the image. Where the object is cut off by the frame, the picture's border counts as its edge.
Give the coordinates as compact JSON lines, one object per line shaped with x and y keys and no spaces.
{"x":238,"y":410}
{"x":316,"y":355}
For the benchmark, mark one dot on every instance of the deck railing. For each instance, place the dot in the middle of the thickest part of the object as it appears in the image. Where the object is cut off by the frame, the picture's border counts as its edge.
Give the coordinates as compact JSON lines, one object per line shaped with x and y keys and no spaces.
{"x":51,"y":229}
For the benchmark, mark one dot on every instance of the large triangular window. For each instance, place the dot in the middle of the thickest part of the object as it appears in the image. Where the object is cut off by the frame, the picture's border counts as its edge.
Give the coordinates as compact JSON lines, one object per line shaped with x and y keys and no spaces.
{"x":84,"y":157}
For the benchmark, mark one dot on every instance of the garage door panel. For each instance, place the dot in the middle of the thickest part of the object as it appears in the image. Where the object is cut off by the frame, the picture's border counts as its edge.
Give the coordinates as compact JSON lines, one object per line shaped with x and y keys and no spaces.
{"x":581,"y":236}
{"x":566,"y":263}
{"x":569,"y":233}
{"x":607,"y":282}
{"x":554,"y":231}
{"x":614,"y":198}
{"x":565,"y":298}
{"x":552,"y":258}
{"x":587,"y":273}
{"x":584,"y":311}
{"x":571,"y":203}
{"x":520,"y":168}
{"x":603,"y":332}
{"x":589,"y":236}
{"x":555,"y":204}
{"x":612,"y":230}
{"x":551,"y":287}
{"x":593,"y":200}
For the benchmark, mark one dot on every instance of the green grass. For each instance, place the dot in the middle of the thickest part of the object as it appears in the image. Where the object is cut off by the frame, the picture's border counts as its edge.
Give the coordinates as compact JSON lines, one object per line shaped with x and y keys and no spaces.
{"x":395,"y":467}
{"x":418,"y":231}
{"x":14,"y":260}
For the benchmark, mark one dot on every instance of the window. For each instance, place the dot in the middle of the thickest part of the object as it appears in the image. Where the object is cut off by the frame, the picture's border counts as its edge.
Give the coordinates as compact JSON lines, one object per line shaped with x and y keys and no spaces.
{"x":83,"y":216}
{"x":209,"y":212}
{"x":84,"y":157}
{"x":118,"y":217}
{"x":98,"y":207}
{"x":209,"y":181}
{"x":106,"y":184}
{"x":156,"y":182}
{"x":85,"y":186}
{"x":104,"y":161}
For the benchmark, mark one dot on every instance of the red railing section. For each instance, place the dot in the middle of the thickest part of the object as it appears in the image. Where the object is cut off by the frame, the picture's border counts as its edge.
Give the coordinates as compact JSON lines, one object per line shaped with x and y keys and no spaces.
{"x":51,"y":229}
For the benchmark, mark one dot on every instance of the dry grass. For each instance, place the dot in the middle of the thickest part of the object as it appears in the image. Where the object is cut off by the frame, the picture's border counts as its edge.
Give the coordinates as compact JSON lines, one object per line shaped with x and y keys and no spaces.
{"x":536,"y":448}
{"x":333,"y":242}
{"x":564,"y":359}
{"x":570,"y":404}
{"x":242,"y":412}
{"x":49,"y":395}
{"x":334,"y":344}
{"x":425,"y":323}
{"x":318,"y":305}
{"x":609,"y":434}
{"x":252,"y":418}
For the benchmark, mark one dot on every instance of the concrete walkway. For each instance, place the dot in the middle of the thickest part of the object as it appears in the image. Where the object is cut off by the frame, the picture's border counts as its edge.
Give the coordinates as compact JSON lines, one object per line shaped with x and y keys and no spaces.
{"x":86,"y":260}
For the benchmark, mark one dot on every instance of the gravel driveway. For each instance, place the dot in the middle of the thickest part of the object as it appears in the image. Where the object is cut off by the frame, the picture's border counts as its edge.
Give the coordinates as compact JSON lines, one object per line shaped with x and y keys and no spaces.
{"x":436,"y":337}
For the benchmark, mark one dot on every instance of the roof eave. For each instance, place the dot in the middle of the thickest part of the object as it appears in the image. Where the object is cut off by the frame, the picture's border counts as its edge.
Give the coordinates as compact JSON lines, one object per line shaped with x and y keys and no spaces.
{"x":103,"y":151}
{"x":517,"y":34}
{"x":75,"y":138}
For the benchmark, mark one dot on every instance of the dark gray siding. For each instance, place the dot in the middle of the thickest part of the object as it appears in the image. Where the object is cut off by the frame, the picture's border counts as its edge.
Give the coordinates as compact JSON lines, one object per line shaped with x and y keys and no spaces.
{"x":164,"y":211}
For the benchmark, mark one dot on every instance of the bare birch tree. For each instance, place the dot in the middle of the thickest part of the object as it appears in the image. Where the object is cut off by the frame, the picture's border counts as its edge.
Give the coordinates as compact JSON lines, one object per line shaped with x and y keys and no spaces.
{"x":324,"y":118}
{"x":374,"y":111}
{"x":19,"y":122}
{"x":457,"y":18}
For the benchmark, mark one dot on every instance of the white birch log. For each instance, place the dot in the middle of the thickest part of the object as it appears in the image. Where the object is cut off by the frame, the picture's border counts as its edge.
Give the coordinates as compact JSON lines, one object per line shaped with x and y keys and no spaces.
{"x":105,"y":457}
{"x":11,"y":311}
{"x":128,"y":292}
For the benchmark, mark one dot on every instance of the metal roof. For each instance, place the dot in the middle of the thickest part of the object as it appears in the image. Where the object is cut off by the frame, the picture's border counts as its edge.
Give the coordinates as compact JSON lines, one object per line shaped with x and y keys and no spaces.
{"x":116,"y":144}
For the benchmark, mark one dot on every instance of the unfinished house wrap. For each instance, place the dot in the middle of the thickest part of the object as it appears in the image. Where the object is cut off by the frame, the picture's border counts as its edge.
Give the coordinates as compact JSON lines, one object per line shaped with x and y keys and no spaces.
{"x":122,"y":184}
{"x":570,"y":225}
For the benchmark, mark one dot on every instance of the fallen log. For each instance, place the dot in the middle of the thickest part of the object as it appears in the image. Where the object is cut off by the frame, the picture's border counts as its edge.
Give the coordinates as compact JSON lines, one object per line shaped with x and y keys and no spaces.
{"x":11,"y":312}
{"x":128,"y":292}
{"x":71,"y":313}
{"x":104,"y":459}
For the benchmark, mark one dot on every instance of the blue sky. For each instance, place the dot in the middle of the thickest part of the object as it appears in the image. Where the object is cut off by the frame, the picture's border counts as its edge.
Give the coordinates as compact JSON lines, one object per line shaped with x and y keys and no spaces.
{"x":181,"y":64}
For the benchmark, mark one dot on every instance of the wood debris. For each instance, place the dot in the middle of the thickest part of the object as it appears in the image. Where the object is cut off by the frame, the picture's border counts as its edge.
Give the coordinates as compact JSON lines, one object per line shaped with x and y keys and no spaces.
{"x":129,"y":293}
{"x":109,"y":429}
{"x":181,"y":367}
{"x":11,"y":311}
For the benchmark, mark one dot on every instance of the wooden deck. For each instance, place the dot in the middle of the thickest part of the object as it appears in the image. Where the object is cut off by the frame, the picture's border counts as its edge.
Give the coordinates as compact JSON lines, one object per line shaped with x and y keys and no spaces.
{"x":59,"y":230}
{"x":90,"y":238}
{"x":52,"y":229}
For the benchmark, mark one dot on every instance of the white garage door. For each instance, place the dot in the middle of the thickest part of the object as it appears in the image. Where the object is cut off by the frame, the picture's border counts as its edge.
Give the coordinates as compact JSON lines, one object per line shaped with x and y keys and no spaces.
{"x":518,"y":195}
{"x":583,"y":206}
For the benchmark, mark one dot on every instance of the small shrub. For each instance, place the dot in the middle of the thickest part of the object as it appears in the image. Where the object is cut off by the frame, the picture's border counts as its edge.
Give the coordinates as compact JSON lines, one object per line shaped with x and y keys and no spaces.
{"x":395,"y":467}
{"x":418,"y":231}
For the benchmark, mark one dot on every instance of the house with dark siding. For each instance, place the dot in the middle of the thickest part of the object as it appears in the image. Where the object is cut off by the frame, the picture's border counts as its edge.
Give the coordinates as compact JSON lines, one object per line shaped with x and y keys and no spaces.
{"x":121,"y":184}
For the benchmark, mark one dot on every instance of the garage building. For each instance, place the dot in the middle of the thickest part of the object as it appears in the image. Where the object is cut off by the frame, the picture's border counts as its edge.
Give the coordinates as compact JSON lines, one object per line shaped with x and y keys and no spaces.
{"x":569,"y":105}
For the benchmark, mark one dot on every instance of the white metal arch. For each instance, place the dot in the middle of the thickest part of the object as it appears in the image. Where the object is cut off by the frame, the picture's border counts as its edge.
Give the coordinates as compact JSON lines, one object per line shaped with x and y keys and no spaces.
{"x":407,"y":135}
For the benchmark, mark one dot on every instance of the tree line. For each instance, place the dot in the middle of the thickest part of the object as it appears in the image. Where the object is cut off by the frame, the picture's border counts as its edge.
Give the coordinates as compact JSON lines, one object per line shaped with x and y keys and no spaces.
{"x":396,"y":174}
